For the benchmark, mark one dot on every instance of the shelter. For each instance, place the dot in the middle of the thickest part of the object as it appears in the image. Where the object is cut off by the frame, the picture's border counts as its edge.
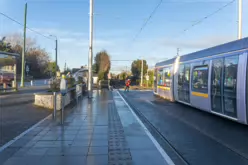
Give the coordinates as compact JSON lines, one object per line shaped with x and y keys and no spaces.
{"x":8,"y":70}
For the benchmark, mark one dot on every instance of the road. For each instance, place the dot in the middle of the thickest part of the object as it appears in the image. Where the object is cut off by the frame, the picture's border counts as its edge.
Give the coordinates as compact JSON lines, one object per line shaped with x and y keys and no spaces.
{"x":41,"y":82}
{"x":191,"y":136}
{"x":17,"y":112}
{"x":24,"y":95}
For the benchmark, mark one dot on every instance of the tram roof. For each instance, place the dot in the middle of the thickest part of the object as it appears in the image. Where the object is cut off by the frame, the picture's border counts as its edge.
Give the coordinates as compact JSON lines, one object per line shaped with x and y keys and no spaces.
{"x":167,"y":62}
{"x":223,"y":48}
{"x":9,"y":54}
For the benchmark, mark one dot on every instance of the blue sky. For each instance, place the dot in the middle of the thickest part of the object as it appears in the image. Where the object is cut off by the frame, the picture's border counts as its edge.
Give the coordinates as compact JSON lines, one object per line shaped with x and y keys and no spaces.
{"x":116,"y":23}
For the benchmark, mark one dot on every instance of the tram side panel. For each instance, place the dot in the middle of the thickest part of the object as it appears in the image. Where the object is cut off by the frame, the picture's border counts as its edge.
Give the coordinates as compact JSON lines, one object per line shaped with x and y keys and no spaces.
{"x":199,"y":86}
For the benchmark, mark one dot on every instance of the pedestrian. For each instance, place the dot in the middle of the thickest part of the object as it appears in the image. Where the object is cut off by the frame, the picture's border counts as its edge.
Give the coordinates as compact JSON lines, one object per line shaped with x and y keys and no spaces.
{"x":111,"y":84}
{"x":128,"y":82}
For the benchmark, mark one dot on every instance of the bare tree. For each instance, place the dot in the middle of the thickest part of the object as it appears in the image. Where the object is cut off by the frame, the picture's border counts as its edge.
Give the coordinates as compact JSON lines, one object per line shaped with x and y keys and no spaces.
{"x":35,"y":57}
{"x":102,"y":64}
{"x":16,"y":39}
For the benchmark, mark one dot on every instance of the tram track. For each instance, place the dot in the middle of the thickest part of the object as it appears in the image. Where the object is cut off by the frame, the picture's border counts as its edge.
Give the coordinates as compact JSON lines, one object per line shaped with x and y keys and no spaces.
{"x":162,"y":140}
{"x":244,"y":155}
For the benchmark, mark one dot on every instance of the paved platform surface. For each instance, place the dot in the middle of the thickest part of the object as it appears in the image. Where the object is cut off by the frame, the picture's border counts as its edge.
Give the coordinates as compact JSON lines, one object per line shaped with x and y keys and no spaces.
{"x":197,"y":137}
{"x":100,"y":131}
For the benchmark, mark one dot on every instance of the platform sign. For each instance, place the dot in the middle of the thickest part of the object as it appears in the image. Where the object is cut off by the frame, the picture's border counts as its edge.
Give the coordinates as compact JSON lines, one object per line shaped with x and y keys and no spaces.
{"x":27,"y":69}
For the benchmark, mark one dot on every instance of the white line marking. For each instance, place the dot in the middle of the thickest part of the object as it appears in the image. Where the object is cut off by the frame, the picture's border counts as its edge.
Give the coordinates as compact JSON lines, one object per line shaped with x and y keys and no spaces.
{"x":24,"y":133}
{"x":148,"y":101}
{"x":160,"y":149}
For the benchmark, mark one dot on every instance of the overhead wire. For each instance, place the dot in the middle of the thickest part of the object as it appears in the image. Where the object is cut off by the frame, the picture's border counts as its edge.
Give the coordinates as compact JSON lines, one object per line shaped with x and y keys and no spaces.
{"x":206,"y":17}
{"x":12,"y":19}
{"x":201,"y":20}
{"x":148,"y":19}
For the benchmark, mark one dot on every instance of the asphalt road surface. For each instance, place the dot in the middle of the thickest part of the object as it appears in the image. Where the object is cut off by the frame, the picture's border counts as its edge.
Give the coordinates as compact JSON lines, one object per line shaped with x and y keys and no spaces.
{"x":17,"y":112}
{"x":41,"y":82}
{"x":188,"y":135}
{"x":24,"y":95}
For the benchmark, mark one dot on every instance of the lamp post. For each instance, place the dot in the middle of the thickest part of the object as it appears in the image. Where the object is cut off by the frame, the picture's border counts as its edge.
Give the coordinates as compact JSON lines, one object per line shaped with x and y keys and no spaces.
{"x":141,"y":81}
{"x":56,"y":52}
{"x":240,"y":19}
{"x":90,"y":49}
{"x":24,"y":46}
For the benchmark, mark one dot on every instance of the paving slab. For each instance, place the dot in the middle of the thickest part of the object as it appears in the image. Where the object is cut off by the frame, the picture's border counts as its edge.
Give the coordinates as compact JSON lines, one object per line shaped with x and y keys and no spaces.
{"x":97,"y":131}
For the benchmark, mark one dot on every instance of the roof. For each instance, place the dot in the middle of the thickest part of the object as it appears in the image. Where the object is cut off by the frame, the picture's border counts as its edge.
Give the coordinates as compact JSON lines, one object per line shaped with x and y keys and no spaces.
{"x":167,"y":62}
{"x":223,"y":48}
{"x":9,"y":54}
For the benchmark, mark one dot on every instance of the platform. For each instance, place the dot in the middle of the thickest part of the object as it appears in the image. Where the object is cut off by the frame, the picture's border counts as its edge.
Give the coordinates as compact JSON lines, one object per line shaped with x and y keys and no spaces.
{"x":101,"y":131}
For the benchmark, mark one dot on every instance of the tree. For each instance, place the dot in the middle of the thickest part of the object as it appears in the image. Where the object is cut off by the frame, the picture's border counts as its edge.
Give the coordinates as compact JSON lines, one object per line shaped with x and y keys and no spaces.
{"x":39,"y":62}
{"x":67,"y":70}
{"x":136,"y":68}
{"x":51,"y":69}
{"x":102,"y":65}
{"x":36,"y":57}
{"x":16,"y":39}
{"x":5,"y":46}
{"x":94,"y":70}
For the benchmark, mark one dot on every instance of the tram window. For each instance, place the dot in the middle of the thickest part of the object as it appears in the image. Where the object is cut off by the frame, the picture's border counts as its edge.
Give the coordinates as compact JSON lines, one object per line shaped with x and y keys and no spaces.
{"x":167,"y":76}
{"x":230,"y":81}
{"x":180,"y":75}
{"x":216,"y":81}
{"x":187,"y":74}
{"x":200,"y":79}
{"x":160,"y":77}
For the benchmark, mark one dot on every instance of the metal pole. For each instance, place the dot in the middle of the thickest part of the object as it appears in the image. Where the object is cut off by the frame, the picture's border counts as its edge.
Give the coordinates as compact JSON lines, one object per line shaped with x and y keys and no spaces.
{"x":147,"y":79}
{"x":240,"y":20}
{"x":56,"y":55}
{"x":90,"y":51}
{"x":141,"y":81}
{"x":153,"y":79}
{"x":54,"y":105}
{"x":24,"y":45}
{"x":178,"y":51}
{"x":15,"y":81}
{"x":62,"y":110}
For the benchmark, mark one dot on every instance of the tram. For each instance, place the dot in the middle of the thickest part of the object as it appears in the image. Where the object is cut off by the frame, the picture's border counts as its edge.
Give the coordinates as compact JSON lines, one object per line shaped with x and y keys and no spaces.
{"x":213,"y":80}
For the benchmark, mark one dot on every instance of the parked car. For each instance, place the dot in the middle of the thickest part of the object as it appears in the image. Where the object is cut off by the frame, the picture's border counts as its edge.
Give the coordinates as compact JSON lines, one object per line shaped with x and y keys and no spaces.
{"x":6,"y":77}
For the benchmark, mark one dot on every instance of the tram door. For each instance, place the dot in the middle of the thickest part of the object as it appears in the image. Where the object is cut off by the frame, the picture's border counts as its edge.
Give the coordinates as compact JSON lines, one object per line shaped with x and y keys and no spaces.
{"x":183,"y":83}
{"x":224,"y":85}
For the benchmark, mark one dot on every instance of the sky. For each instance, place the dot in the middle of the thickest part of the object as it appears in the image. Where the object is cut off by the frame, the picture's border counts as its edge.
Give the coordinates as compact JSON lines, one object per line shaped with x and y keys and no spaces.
{"x":117,"y":24}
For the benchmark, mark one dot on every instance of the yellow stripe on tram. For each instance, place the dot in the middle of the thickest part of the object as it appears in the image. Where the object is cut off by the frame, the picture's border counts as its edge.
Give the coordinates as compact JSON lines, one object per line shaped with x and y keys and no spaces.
{"x":165,"y":88}
{"x":205,"y":95}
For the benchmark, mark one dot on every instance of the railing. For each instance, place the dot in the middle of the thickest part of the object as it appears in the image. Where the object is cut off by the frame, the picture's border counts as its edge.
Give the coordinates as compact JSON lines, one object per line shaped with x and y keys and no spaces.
{"x":77,"y":90}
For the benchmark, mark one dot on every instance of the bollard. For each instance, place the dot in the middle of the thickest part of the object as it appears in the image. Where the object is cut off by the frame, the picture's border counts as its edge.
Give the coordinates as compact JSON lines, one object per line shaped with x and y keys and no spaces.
{"x":4,"y":87}
{"x":13,"y":84}
{"x":31,"y":82}
{"x":54,"y":105}
{"x":62,"y":110}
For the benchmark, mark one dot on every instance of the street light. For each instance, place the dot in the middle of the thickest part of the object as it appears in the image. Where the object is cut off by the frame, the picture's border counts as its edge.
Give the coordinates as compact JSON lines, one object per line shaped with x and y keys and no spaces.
{"x":56,"y":51}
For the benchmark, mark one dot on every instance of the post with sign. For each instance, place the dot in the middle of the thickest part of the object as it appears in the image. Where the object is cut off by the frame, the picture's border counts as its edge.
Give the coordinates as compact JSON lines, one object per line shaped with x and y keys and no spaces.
{"x":63,"y":90}
{"x":147,"y":79}
{"x":27,"y":69}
